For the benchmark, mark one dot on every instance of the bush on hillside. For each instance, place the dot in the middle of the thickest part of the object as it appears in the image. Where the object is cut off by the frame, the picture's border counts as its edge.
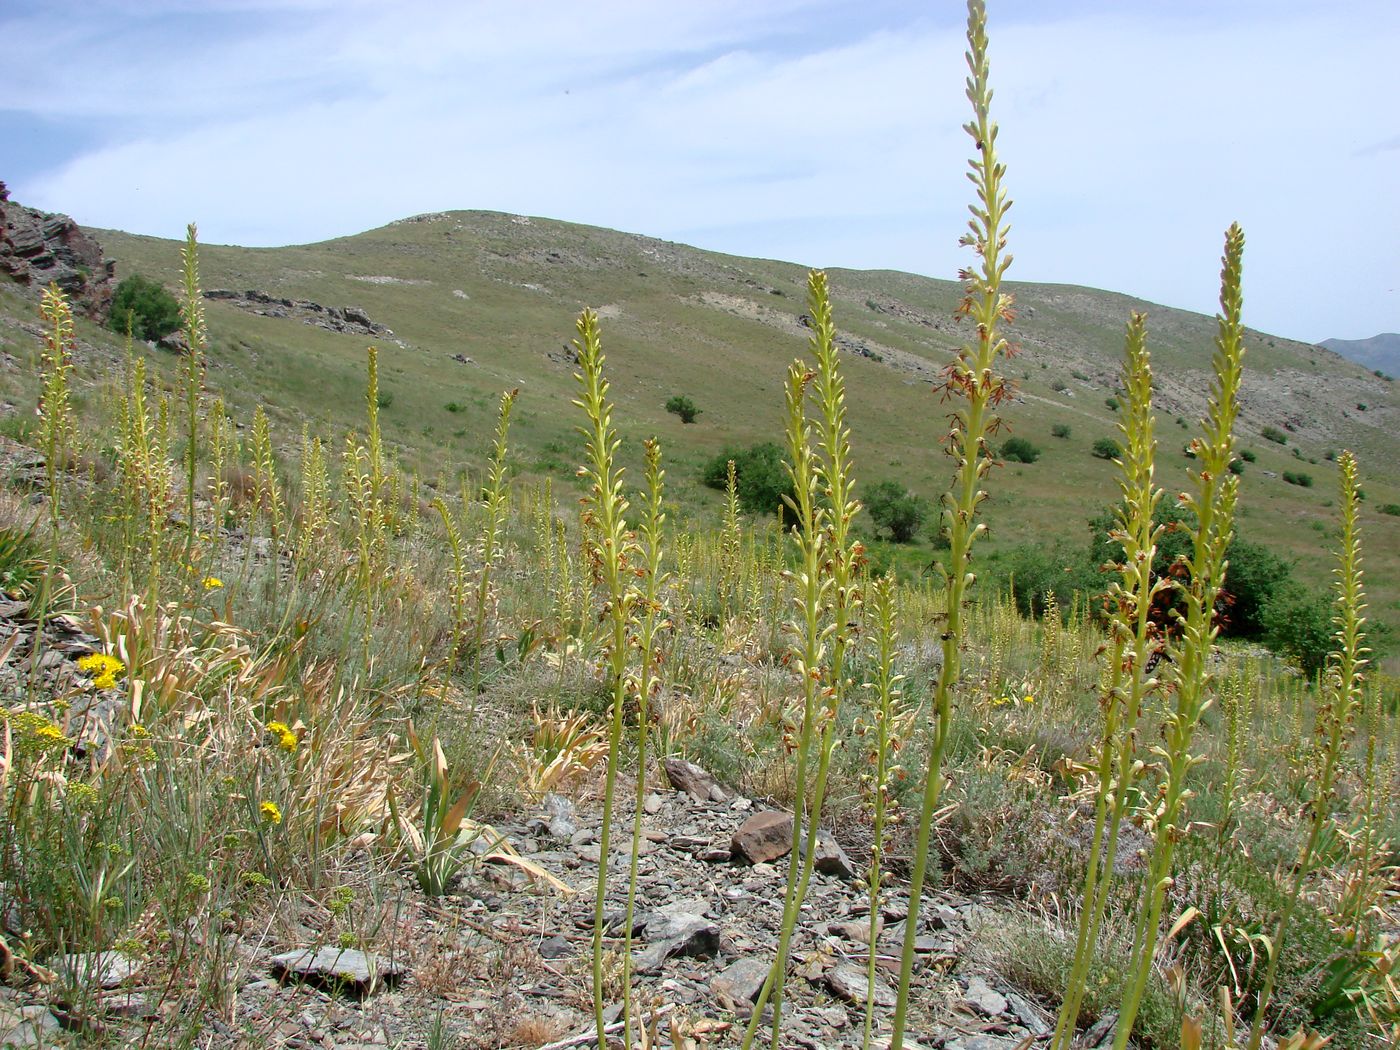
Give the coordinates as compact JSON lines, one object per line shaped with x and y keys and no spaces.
{"x":1274,"y":434}
{"x":1019,"y":450}
{"x":1298,"y":625}
{"x":682,"y":406}
{"x":1060,"y":430}
{"x":895,"y":508}
{"x":146,"y":306}
{"x":759,"y":473}
{"x":1298,"y":478}
{"x":1106,"y":448}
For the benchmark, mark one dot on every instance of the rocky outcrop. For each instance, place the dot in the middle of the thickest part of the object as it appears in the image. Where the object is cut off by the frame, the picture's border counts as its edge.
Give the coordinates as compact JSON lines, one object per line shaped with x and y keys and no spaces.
{"x":348,"y":319}
{"x":38,"y":249}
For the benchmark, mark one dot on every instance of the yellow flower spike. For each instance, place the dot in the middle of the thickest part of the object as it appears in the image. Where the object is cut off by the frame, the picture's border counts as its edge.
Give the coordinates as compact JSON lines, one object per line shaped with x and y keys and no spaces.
{"x":270,"y":813}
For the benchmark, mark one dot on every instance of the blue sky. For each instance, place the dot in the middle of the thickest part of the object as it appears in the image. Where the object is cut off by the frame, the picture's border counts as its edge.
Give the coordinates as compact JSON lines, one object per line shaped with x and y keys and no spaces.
{"x":822,"y":131}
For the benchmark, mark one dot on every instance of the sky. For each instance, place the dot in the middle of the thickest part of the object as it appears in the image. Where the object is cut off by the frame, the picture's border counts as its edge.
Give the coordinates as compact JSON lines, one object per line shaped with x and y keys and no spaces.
{"x":825,"y":132}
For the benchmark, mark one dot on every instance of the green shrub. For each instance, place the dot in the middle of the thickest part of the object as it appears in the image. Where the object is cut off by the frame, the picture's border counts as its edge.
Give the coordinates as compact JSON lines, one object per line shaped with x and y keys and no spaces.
{"x":1111,"y":403}
{"x":1274,"y":434}
{"x":759,"y":473}
{"x":1019,"y":450}
{"x":1106,"y":448}
{"x":1298,"y":624}
{"x":1059,"y":386}
{"x":1080,"y":376}
{"x":1034,"y":571}
{"x":1236,"y":466}
{"x":682,"y":406}
{"x":453,"y":406}
{"x":895,"y":508}
{"x":1299,"y":478}
{"x":1060,"y":430}
{"x":1390,"y":508}
{"x":151,"y":311}
{"x":1247,"y":454}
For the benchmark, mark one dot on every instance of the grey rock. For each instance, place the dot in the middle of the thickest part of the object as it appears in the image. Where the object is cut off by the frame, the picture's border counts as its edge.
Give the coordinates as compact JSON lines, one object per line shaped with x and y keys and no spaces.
{"x":741,"y":981}
{"x":980,"y":996}
{"x":764,"y":837}
{"x":27,"y":1026}
{"x":831,"y":859}
{"x":341,"y":969}
{"x":1101,"y":1032}
{"x":106,"y":970}
{"x":653,"y":803}
{"x":694,"y":781}
{"x":1028,"y":1014}
{"x":847,"y":982}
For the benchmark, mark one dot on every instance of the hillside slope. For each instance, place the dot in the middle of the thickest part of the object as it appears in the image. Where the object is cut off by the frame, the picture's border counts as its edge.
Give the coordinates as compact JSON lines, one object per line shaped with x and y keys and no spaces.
{"x":1379,"y":352}
{"x":478,"y":302}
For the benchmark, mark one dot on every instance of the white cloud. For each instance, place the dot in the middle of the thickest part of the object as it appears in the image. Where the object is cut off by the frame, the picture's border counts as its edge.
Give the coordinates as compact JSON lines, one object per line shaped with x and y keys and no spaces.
{"x":1132,"y":138}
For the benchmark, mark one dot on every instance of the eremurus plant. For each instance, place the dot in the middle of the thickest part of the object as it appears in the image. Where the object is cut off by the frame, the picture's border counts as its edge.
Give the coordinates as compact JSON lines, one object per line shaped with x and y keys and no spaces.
{"x":1342,"y":700}
{"x":1212,"y":502}
{"x":611,"y":550}
{"x":827,"y":600}
{"x":973,"y":381}
{"x":1128,"y":682}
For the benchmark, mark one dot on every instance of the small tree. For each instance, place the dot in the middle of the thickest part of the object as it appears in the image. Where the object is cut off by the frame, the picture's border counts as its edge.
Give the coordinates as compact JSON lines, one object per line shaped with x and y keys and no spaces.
{"x":1060,"y":430}
{"x":1106,"y":448}
{"x":146,"y":306}
{"x":1019,"y":450}
{"x":682,"y":406}
{"x":895,"y":508}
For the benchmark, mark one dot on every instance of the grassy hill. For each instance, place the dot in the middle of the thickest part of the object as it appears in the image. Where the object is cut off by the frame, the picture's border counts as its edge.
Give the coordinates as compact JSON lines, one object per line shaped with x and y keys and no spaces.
{"x":501,"y":292}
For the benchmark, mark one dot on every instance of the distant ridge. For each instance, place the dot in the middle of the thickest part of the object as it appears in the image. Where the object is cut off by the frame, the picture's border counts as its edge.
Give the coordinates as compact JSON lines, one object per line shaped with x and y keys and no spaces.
{"x":1379,"y":352}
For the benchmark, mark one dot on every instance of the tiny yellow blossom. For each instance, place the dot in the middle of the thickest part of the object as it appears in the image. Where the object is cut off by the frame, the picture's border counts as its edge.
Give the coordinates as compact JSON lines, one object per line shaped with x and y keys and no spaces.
{"x":104,"y":669}
{"x":212,"y":583}
{"x":286,"y":739}
{"x":1029,"y":699}
{"x":270,"y":812}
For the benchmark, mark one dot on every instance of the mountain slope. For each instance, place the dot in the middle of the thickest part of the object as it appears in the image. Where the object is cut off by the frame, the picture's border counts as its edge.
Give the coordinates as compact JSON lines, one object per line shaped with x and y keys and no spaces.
{"x":479,"y":302}
{"x":1380,"y":352}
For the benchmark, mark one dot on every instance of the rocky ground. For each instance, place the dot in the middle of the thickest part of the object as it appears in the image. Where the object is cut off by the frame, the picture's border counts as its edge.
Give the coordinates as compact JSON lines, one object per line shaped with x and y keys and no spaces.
{"x":504,"y":959}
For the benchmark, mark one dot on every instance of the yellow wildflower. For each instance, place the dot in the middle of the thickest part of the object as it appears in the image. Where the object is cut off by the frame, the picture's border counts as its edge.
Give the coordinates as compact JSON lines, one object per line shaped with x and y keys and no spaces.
{"x":212,"y":583}
{"x":103,"y":669}
{"x":1029,"y":699}
{"x":270,"y":813}
{"x":286,"y":739}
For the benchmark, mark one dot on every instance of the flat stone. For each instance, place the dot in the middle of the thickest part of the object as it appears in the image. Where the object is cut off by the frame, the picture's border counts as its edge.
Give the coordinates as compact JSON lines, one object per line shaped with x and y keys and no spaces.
{"x":652,"y":803}
{"x":848,"y":983}
{"x":341,"y":969}
{"x":855,"y":931}
{"x":982,"y":1042}
{"x":741,"y":981}
{"x":831,"y":859}
{"x":105,"y":969}
{"x":980,"y":996}
{"x":27,"y":1026}
{"x":764,"y":837}
{"x":694,"y":781}
{"x":131,"y":1005}
{"x":556,"y":948}
{"x":1027,"y":1014}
